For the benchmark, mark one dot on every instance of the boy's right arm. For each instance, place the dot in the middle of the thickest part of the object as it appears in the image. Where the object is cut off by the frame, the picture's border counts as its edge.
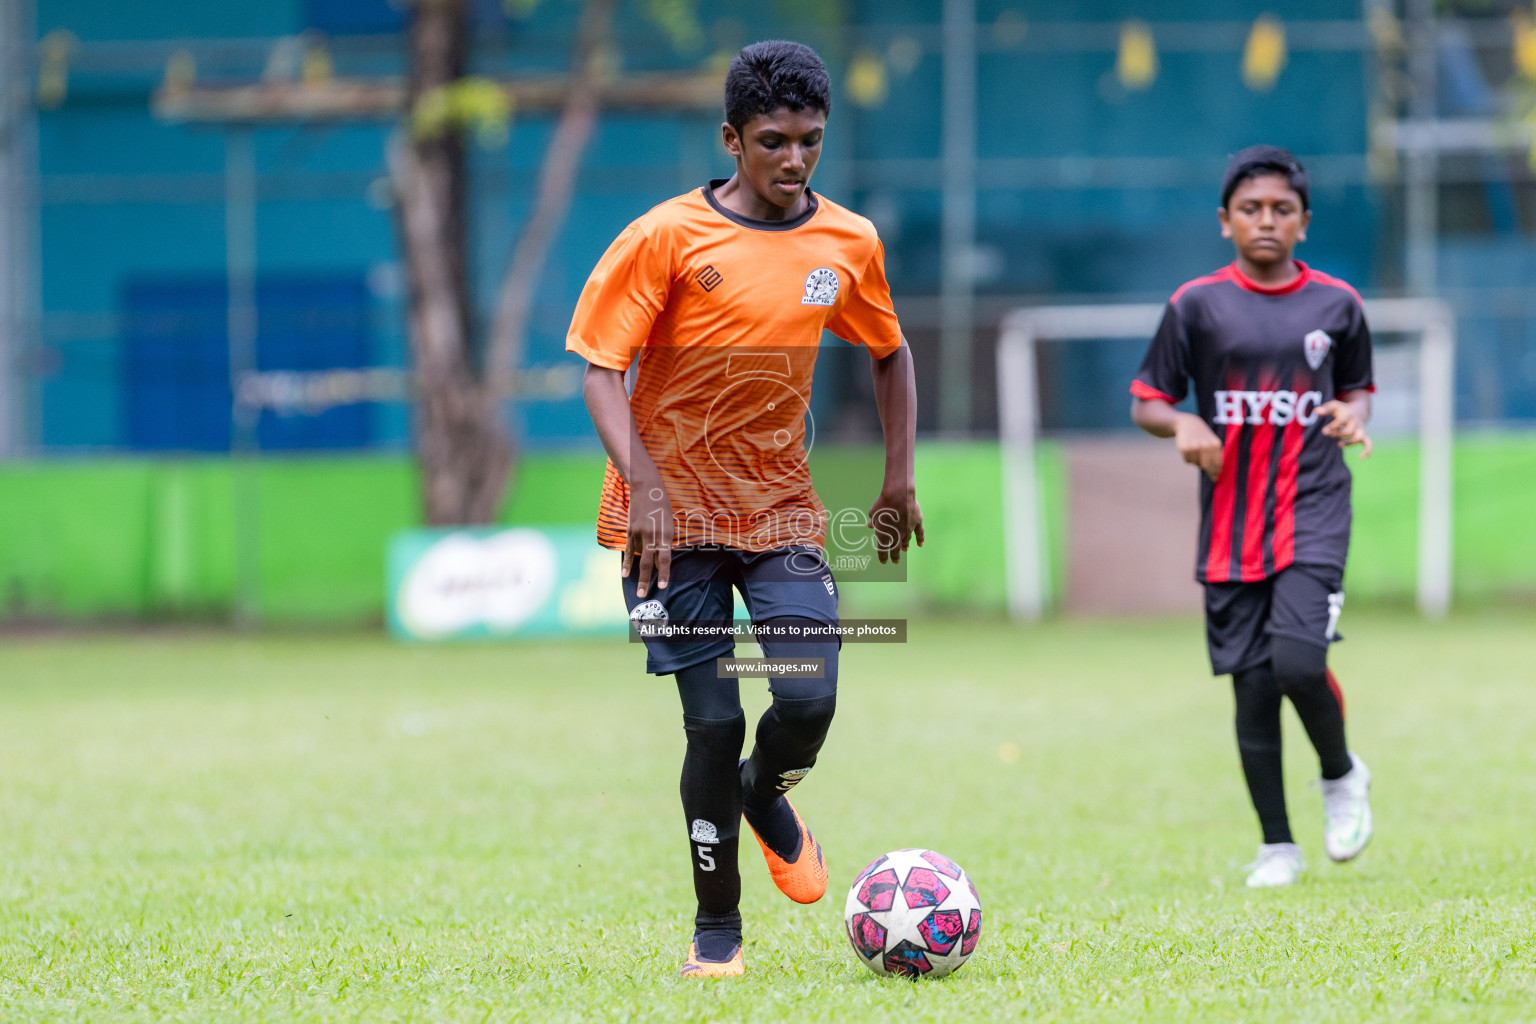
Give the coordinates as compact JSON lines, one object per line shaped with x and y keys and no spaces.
{"x":618,"y":306}
{"x":1160,"y":384}
{"x":1197,"y":443}
{"x":650,"y":510}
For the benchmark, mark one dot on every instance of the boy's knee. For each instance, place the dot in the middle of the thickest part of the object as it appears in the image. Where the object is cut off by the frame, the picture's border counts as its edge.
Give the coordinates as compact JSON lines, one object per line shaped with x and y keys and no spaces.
{"x":1257,"y":711}
{"x":718,"y":738}
{"x":806,"y":718}
{"x":1298,"y":666}
{"x":818,"y":648}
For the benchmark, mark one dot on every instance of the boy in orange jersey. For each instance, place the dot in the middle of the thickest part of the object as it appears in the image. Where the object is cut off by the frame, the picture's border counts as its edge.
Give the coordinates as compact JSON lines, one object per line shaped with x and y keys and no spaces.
{"x":716,"y":302}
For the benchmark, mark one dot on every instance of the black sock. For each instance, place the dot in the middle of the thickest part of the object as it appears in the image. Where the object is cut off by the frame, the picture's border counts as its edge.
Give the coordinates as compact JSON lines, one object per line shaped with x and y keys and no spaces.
{"x":1301,"y":671}
{"x":1258,"y":744}
{"x":716,"y":936}
{"x":711,"y":792}
{"x":789,"y":736}
{"x":773,"y":821}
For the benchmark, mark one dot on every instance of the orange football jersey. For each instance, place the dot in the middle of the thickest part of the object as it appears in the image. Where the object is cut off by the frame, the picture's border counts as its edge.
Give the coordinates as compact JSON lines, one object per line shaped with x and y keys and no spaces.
{"x":724,"y":315}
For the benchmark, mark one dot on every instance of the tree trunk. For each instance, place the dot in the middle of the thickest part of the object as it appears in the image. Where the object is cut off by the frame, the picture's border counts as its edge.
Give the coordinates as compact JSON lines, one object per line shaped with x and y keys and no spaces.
{"x":462,"y":448}
{"x":591,"y":64}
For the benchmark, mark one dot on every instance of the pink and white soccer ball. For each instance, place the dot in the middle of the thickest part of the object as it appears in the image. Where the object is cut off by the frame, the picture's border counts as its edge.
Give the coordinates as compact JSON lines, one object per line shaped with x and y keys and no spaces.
{"x":913,"y":913}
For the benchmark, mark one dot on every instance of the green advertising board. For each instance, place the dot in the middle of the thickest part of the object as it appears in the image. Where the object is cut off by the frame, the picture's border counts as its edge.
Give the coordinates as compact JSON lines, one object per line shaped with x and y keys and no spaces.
{"x":498,"y":582}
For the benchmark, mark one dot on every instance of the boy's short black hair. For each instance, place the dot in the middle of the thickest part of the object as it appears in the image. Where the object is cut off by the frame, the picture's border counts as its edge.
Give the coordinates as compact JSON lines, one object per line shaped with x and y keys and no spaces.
{"x":1259,"y":160}
{"x":777,"y":73}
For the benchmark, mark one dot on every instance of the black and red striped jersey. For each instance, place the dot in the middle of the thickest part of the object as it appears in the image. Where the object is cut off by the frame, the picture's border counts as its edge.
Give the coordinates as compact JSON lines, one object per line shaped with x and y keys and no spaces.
{"x":1262,"y":360}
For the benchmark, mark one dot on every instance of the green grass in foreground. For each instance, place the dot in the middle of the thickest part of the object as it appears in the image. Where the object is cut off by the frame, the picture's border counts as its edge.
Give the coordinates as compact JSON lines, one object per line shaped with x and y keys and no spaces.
{"x":209,"y":828}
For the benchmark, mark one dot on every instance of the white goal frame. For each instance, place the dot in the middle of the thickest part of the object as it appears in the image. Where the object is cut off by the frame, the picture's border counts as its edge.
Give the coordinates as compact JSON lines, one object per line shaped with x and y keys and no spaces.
{"x":1431,"y":320}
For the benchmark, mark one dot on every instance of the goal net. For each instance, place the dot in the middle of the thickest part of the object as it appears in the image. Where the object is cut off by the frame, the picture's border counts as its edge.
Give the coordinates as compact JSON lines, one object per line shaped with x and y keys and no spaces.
{"x":1428,"y":323}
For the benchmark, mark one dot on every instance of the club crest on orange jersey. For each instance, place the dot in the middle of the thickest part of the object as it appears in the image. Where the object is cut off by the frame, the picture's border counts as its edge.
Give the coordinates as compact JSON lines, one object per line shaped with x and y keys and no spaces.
{"x":820,"y":287}
{"x":1316,"y":345}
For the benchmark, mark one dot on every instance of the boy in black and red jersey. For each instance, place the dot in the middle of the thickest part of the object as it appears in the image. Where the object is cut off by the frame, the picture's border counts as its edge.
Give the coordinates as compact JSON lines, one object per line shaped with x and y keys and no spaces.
{"x":1280,"y":358}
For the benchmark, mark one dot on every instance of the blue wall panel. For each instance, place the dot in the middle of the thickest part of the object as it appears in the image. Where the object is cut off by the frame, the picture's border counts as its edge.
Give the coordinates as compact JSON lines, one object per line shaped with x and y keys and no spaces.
{"x":170,"y":19}
{"x":175,"y":366}
{"x":175,"y":362}
{"x":129,"y":199}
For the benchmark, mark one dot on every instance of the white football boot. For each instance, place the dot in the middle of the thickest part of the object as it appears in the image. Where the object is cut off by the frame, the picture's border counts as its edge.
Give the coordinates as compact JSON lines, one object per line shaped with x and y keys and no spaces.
{"x":1347,"y":812}
{"x":1277,"y":864}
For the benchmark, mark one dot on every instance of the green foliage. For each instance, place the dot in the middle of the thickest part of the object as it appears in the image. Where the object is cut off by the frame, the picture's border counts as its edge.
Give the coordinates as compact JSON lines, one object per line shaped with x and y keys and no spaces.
{"x":519,"y":9}
{"x":679,"y":19}
{"x":206,"y":828}
{"x":814,"y":13}
{"x":474,"y":103}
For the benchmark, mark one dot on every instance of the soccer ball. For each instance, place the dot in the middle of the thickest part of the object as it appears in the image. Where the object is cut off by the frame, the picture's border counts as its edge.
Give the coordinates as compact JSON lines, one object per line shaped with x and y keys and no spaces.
{"x":913,"y":913}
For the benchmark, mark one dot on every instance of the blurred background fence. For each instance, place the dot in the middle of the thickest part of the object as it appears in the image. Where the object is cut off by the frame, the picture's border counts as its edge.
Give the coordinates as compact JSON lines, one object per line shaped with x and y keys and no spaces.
{"x":1011,"y":153}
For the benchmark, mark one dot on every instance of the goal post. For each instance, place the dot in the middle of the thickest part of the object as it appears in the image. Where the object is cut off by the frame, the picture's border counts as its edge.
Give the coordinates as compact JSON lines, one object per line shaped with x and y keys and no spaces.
{"x":1430,"y":320}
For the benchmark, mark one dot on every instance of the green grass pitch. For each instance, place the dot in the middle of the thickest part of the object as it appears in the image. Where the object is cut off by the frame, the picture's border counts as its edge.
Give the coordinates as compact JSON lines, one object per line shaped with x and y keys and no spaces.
{"x":208,"y":828}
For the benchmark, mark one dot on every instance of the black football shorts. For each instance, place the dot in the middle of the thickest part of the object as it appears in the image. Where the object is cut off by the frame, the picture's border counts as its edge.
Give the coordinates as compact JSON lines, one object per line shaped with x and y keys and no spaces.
{"x":784,"y":583}
{"x":1302,"y":602}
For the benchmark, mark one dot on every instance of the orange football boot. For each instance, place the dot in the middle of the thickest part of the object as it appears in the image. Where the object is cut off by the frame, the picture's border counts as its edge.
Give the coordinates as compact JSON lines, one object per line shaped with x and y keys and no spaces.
{"x":805,"y":880}
{"x":693,"y":967}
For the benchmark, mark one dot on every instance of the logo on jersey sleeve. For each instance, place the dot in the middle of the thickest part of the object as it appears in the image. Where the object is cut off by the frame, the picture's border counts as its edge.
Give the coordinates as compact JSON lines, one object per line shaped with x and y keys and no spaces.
{"x":820,"y":287}
{"x":1316,"y":344}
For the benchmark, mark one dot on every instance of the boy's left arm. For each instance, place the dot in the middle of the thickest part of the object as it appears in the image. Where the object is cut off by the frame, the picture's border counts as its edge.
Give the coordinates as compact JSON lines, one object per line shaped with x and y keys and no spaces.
{"x":1353,"y":381}
{"x":895,"y":516}
{"x":1350,"y":413}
